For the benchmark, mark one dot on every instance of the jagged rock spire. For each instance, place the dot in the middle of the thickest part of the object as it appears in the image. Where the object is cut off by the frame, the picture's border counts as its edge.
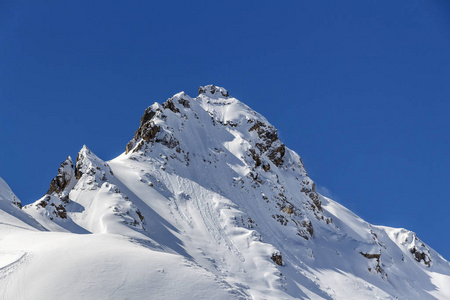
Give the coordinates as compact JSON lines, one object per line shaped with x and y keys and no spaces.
{"x":61,"y":181}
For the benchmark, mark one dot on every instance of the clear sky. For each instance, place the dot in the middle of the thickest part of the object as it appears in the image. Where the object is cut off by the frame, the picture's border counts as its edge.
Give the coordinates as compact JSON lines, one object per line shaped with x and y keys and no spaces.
{"x":360,"y":89}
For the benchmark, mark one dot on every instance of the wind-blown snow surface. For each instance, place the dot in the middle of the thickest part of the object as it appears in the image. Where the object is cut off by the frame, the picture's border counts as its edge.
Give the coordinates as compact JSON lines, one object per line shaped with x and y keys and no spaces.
{"x":205,"y":203}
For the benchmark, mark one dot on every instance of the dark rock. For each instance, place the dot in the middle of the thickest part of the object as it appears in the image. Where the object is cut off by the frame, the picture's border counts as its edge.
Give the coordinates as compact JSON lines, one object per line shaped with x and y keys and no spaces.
{"x":184,"y":102}
{"x":78,"y":165}
{"x":277,"y":258}
{"x":43,"y":203}
{"x":138,"y":147}
{"x":257,"y":127}
{"x":373,"y":256}
{"x":370,"y":255}
{"x":212,"y":89}
{"x":141,"y":217}
{"x":309,"y":227}
{"x":312,"y":194}
{"x":170,"y":105}
{"x":306,"y":230}
{"x":150,"y":131}
{"x":276,"y":156}
{"x":268,"y":136}
{"x":130,"y":146}
{"x":60,"y":181}
{"x":231,"y":123}
{"x":255,"y":157}
{"x":169,"y":141}
{"x":147,"y":129}
{"x":281,"y":219}
{"x":60,"y":211}
{"x":420,"y":255}
{"x":147,"y":116}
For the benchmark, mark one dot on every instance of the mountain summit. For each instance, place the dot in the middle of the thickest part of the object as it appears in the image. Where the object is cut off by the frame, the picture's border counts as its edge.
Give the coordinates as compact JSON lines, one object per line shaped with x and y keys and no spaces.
{"x":205,"y":202}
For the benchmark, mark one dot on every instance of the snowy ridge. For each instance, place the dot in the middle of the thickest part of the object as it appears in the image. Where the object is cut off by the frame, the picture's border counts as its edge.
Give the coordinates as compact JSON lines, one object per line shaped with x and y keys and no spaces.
{"x":10,"y":213}
{"x":206,"y":202}
{"x":6,"y":194}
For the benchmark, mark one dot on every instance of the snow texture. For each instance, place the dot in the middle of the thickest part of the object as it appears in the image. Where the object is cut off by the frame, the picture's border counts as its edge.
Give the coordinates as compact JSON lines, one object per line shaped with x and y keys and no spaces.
{"x":206,"y":202}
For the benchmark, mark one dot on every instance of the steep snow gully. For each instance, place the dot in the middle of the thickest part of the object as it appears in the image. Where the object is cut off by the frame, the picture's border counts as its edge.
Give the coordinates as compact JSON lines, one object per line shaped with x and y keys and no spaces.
{"x":205,"y":202}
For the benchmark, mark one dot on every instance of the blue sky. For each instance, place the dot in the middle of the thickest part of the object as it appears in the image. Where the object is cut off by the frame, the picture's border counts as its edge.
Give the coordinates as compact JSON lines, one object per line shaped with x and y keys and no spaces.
{"x":360,"y":89}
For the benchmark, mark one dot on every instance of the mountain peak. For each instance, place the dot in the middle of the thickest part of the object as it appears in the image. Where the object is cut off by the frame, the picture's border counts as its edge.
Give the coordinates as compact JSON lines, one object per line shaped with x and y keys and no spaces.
{"x":207,"y":181}
{"x":197,"y":137}
{"x":212,"y":90}
{"x":90,"y":165}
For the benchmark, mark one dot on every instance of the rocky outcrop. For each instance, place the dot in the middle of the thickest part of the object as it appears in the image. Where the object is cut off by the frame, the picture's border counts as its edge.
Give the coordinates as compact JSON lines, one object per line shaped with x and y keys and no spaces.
{"x":375,"y":256}
{"x":57,"y":197}
{"x":277,"y":258}
{"x":54,"y":207}
{"x":213,"y":90}
{"x":150,"y":129}
{"x":93,"y":168}
{"x":184,"y":102}
{"x":421,"y":256}
{"x":277,"y":154}
{"x":60,"y":183}
{"x":147,"y":129}
{"x":268,"y":142}
{"x":170,"y":105}
{"x":309,"y":188}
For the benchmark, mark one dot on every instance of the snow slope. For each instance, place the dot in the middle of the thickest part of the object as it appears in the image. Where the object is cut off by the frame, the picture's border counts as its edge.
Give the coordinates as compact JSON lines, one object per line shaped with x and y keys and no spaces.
{"x":205,"y":202}
{"x":11,"y":214}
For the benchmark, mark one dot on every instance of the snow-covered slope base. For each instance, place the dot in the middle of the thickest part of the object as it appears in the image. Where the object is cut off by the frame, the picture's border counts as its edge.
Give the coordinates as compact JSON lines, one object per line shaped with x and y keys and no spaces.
{"x":205,"y":203}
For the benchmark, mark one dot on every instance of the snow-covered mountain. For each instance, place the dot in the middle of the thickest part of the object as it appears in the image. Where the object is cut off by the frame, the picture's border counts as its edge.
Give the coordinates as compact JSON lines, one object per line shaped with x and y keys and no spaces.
{"x":205,"y":202}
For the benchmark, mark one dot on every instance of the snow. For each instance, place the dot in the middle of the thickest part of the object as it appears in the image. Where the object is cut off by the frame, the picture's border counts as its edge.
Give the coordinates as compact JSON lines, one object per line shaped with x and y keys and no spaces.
{"x":6,"y":194}
{"x":196,"y":208}
{"x":98,"y":266}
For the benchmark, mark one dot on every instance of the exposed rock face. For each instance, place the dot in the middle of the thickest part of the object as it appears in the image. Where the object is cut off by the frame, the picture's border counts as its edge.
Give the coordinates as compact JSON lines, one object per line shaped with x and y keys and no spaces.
{"x":309,"y":188}
{"x":55,"y":207}
{"x":61,"y":181}
{"x":421,"y":256}
{"x":153,"y":129}
{"x":170,"y":105}
{"x":277,"y":258}
{"x":375,"y":256}
{"x":147,"y":130}
{"x":90,"y":166}
{"x":370,"y":256}
{"x":269,"y":142}
{"x":211,"y":90}
{"x":184,"y":102}
{"x":57,"y":197}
